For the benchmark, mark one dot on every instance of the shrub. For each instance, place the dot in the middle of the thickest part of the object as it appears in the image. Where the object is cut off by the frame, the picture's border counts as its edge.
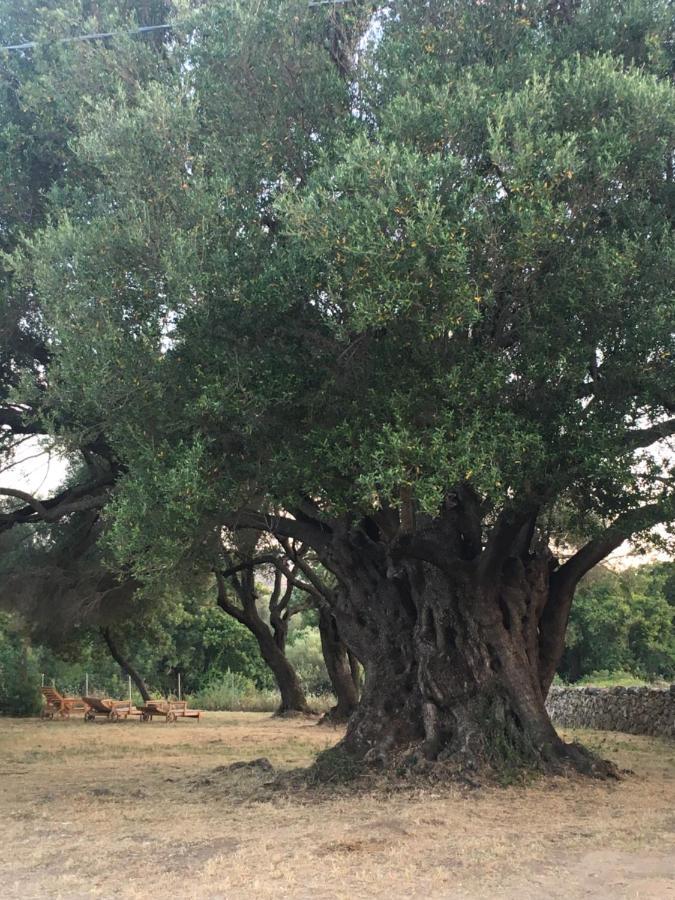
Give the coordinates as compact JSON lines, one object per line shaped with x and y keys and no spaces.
{"x":234,"y":692}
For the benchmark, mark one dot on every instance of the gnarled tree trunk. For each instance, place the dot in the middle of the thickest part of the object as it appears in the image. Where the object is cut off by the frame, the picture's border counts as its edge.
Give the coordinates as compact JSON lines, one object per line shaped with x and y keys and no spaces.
{"x":456,"y":664}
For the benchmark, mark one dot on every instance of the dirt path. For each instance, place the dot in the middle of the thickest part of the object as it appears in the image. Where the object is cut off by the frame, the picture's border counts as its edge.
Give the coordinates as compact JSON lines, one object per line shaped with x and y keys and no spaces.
{"x":152,"y":811}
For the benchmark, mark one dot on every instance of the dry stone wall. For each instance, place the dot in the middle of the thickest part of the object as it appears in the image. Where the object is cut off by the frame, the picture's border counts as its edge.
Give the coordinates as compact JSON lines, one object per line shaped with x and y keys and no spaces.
{"x":636,"y":710}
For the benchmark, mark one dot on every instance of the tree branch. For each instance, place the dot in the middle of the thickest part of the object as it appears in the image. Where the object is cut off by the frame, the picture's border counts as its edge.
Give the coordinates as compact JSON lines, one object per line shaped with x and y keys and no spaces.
{"x":248,"y":564}
{"x":627,"y":524}
{"x":225,"y":604}
{"x":291,"y":578}
{"x":505,"y":532}
{"x":316,"y":534}
{"x":77,"y":499}
{"x":33,"y":502}
{"x":645,"y":437}
{"x":321,"y":588}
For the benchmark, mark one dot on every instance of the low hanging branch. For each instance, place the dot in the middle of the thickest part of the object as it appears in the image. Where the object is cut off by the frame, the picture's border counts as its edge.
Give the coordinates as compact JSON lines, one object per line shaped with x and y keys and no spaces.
{"x":621,"y":529}
{"x":77,"y":499}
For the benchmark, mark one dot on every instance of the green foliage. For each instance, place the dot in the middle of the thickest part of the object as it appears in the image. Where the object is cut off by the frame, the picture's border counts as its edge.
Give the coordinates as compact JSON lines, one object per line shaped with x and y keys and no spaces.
{"x":68,"y":669}
{"x":234,"y":692}
{"x":230,"y":691}
{"x":185,"y":635}
{"x":19,"y":679}
{"x":305,"y":655}
{"x":604,"y":678}
{"x":202,"y":643}
{"x":621,"y":621}
{"x":43,"y":92}
{"x":436,"y":261}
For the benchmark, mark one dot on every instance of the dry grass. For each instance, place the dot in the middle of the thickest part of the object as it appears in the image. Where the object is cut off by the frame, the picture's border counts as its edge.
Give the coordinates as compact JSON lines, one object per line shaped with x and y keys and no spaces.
{"x":145,"y":811}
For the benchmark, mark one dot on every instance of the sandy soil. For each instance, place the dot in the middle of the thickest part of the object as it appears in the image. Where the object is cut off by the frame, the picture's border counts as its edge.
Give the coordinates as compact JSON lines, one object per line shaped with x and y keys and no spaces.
{"x":137,"y":810}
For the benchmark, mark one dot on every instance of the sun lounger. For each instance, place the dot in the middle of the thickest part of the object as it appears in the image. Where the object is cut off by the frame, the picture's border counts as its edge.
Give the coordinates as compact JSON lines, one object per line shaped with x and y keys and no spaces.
{"x":58,"y":705}
{"x":171,"y":710}
{"x":107,"y":708}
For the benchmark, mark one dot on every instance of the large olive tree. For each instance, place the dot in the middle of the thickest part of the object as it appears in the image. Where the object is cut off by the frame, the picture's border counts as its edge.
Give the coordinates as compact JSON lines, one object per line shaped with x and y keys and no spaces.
{"x":400,"y":276}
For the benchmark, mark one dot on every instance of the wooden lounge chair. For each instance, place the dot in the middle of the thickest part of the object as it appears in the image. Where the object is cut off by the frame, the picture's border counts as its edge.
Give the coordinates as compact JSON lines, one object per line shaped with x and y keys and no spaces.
{"x":107,"y":708}
{"x":152,"y":708}
{"x":58,"y":705}
{"x":180,"y":710}
{"x":171,"y":710}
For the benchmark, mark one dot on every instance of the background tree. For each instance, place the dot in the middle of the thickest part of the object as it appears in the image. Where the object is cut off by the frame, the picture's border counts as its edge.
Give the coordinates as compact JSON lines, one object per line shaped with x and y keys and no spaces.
{"x":407,"y":277}
{"x":621,"y":621}
{"x":19,"y":679}
{"x":238,"y":597}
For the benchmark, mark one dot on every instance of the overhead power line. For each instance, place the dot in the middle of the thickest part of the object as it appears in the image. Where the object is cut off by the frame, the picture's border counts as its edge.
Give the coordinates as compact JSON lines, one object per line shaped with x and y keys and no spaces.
{"x":87,"y":37}
{"x":100,"y":35}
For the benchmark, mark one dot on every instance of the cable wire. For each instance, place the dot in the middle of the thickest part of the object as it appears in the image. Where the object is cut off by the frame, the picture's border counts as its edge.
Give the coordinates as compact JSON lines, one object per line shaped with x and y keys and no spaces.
{"x":86,"y":37}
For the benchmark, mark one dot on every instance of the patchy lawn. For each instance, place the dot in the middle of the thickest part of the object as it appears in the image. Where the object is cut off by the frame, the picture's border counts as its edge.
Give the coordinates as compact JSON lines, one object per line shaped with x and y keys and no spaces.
{"x":135,"y":810}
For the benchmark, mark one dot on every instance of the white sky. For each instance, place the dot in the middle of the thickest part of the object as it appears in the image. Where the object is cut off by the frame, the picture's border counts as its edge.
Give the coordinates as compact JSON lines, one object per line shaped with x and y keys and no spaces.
{"x":34,"y":470}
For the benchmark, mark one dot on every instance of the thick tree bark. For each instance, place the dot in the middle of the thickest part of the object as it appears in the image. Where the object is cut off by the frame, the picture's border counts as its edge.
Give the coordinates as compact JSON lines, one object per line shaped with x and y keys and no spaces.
{"x":455,"y":668}
{"x":459,"y":620}
{"x":356,"y":670}
{"x":339,"y":667}
{"x":124,"y":663}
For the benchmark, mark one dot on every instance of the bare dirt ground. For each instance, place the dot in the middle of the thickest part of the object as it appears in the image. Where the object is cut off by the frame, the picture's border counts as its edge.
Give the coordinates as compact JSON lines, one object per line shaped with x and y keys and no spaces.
{"x":135,"y":810}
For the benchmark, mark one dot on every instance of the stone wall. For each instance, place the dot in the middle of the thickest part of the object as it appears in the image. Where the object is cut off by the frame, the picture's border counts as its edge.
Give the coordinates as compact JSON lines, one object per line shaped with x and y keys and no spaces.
{"x":636,"y":710}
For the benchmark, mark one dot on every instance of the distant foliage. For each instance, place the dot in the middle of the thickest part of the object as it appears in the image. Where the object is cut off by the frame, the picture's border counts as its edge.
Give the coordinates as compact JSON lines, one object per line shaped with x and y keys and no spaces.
{"x":622,"y":622}
{"x":19,"y":693}
{"x":190,"y":637}
{"x":205,"y":643}
{"x":306,"y":657}
{"x":233,"y":692}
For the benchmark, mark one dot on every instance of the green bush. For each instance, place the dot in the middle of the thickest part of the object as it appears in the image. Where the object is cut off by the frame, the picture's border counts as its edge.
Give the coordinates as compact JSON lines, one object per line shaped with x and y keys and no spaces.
{"x":19,"y":680}
{"x":234,"y":692}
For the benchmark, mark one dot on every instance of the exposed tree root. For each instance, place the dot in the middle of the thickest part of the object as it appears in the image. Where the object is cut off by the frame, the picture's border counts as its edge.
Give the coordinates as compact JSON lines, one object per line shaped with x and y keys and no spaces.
{"x":410,"y":765}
